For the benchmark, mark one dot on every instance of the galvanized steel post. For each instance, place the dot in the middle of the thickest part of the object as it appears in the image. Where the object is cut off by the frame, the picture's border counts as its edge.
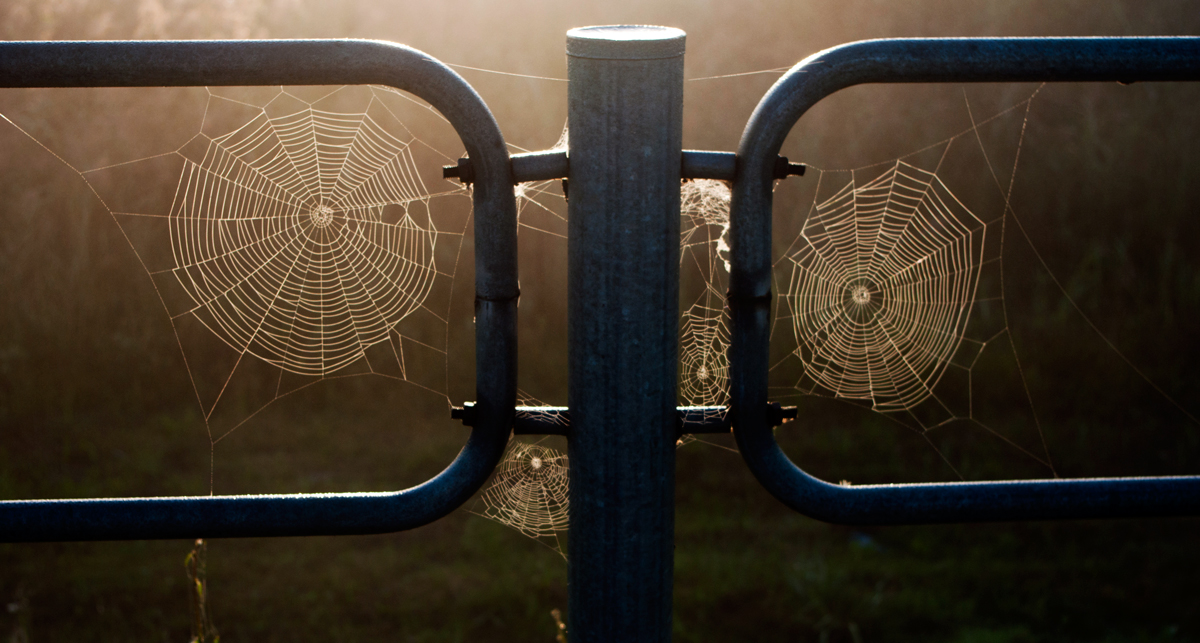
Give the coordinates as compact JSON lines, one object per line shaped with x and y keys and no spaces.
{"x":625,"y":112}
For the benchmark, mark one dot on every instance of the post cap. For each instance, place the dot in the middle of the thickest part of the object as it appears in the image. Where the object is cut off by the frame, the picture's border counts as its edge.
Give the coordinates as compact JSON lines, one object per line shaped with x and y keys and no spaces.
{"x":625,"y":42}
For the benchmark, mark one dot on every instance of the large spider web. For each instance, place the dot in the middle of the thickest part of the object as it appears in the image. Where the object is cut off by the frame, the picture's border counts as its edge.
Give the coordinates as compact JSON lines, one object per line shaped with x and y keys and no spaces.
{"x":882,"y":292}
{"x":281,"y":241}
{"x":893,"y":294}
{"x":302,"y":243}
{"x":881,"y":287}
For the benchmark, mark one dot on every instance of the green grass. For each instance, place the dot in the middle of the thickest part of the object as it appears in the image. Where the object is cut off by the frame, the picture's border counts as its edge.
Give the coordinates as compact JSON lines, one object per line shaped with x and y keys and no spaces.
{"x":744,"y":565}
{"x":746,"y":569}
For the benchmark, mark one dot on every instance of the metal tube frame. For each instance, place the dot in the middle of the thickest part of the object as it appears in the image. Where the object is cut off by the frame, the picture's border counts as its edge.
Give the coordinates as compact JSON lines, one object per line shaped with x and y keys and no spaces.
{"x":304,"y":62}
{"x":958,"y":60}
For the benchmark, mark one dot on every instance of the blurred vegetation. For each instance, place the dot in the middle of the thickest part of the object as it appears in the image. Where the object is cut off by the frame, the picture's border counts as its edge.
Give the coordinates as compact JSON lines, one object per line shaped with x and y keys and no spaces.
{"x":95,"y":399}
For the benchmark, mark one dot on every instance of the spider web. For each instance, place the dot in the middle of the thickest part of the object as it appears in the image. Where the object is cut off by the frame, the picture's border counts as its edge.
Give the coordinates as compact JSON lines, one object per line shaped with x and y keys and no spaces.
{"x":704,"y":269}
{"x":281,"y":242}
{"x":893,"y":294}
{"x":529,"y":493}
{"x":881,"y":287}
{"x":890,"y":293}
{"x":703,"y":258}
{"x":302,"y":244}
{"x":704,"y":365}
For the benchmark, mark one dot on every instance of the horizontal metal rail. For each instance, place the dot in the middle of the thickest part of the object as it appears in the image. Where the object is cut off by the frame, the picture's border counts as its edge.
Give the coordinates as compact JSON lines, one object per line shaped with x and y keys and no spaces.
{"x":304,"y":62}
{"x":553,"y":164}
{"x":965,"y":60}
{"x":556,"y":420}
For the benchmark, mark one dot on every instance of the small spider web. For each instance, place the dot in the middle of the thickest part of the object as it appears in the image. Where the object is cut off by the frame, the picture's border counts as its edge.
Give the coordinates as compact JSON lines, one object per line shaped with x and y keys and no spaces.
{"x":704,"y":365}
{"x":704,"y":269}
{"x":529,"y":491}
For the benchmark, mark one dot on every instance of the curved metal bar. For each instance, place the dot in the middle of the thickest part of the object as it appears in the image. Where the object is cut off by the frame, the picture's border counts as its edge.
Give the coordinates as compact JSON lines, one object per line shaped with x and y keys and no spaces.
{"x":304,"y":62}
{"x":957,"y":60}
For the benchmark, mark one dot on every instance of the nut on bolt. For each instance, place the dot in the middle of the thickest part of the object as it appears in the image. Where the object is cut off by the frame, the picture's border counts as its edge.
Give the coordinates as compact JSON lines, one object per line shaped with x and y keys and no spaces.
{"x":466,"y":413}
{"x":462,"y":171}
{"x":778,"y":414}
{"x":784,"y":168}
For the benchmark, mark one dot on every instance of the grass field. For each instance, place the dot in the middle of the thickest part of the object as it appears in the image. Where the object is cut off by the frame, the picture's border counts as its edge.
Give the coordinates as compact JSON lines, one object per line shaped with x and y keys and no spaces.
{"x":746,"y":568}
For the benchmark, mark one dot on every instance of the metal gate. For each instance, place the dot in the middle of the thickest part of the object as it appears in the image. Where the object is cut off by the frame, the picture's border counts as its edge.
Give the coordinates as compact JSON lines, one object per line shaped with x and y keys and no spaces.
{"x":624,"y":166}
